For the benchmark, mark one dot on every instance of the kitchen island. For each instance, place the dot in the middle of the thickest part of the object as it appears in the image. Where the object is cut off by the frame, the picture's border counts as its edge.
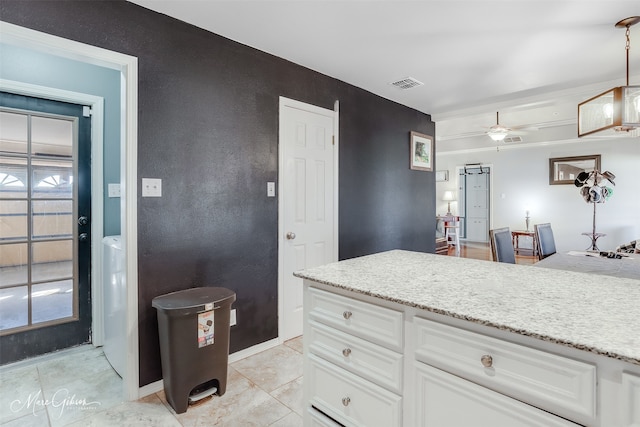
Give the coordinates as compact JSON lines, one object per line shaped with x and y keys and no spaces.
{"x":414,"y":339}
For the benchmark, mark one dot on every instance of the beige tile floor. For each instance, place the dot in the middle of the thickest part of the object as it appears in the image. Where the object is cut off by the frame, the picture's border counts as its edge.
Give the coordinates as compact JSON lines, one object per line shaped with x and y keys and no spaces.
{"x":79,"y":388}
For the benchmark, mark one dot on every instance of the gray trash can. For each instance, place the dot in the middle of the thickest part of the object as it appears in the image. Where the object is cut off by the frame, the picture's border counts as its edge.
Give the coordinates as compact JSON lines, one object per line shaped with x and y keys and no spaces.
{"x":193,"y":327}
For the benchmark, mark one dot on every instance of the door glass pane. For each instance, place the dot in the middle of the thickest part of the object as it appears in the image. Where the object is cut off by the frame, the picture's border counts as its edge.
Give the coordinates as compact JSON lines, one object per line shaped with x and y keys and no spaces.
{"x":53,"y":300}
{"x":13,"y":178}
{"x":52,"y":219}
{"x":52,"y":179}
{"x":13,"y":220}
{"x":37,"y":219}
{"x":52,"y":260}
{"x":14,"y":309}
{"x":13,"y":264}
{"x":51,"y":137}
{"x":13,"y":132}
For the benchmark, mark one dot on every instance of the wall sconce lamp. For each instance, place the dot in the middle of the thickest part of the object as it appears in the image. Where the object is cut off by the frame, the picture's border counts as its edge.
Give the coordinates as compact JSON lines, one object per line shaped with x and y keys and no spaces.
{"x":617,"y":108}
{"x":448,"y":197}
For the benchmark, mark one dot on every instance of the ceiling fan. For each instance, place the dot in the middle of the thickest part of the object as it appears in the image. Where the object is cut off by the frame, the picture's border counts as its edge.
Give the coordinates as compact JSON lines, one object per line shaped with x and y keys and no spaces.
{"x":498,"y":132}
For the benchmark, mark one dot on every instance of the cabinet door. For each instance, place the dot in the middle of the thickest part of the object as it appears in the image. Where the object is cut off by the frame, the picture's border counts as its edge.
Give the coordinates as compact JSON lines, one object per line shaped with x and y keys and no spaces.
{"x":631,"y":400}
{"x":445,"y":400}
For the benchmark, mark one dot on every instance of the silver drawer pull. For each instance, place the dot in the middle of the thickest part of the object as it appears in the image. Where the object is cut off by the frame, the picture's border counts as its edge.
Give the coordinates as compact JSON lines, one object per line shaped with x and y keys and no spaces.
{"x":487,"y":361}
{"x":346,"y":401}
{"x":347,"y":315}
{"x":346,"y":352}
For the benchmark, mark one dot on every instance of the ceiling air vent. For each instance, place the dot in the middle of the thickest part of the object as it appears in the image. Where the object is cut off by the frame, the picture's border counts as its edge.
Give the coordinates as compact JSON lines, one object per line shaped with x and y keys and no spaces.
{"x":512,"y":139}
{"x":407,"y":83}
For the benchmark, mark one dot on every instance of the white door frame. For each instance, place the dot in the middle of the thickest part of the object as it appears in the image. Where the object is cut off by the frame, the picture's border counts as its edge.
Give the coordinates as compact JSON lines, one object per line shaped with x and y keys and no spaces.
{"x":128,"y":66}
{"x":286,"y":102}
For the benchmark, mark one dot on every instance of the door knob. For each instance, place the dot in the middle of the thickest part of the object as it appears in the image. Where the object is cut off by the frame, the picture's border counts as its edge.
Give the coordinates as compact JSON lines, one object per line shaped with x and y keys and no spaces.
{"x":83,"y":220}
{"x":291,"y":235}
{"x":83,"y":237}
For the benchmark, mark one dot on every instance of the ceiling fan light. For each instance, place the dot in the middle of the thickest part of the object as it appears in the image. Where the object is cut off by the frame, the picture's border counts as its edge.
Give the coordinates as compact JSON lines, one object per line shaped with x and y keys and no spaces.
{"x":497,"y":133}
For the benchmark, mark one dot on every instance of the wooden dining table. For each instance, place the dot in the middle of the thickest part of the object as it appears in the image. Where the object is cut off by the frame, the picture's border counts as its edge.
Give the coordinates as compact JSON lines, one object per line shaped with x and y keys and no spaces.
{"x":592,"y":263}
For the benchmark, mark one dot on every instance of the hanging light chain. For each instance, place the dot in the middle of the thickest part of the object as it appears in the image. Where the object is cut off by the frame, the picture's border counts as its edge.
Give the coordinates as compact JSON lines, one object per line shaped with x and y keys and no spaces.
{"x":627,"y":48}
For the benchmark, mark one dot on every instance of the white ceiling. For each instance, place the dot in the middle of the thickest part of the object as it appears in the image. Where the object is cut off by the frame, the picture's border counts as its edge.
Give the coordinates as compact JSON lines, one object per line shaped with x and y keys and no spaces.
{"x":533,"y":60}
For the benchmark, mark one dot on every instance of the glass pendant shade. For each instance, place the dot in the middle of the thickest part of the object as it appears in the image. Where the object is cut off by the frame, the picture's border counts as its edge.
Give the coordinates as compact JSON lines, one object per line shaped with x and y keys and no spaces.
{"x":617,"y":109}
{"x":497,"y":133}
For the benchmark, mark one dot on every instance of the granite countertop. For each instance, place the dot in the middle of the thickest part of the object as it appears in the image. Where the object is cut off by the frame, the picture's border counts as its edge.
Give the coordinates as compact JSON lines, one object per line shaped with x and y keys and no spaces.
{"x":589,"y":312}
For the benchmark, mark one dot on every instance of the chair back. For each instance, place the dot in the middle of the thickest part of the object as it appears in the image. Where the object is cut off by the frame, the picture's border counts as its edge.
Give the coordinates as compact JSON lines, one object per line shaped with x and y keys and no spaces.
{"x":502,"y":245}
{"x":544,"y":240}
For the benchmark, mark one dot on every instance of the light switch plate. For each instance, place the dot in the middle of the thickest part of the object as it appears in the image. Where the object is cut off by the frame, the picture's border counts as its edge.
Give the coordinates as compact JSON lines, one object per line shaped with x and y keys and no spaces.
{"x":114,"y":190}
{"x":271,"y":189}
{"x":151,"y":187}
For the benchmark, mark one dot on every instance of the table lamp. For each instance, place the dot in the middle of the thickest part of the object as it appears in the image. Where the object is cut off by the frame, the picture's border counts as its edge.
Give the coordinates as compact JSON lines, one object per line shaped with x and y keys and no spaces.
{"x":448,"y":197}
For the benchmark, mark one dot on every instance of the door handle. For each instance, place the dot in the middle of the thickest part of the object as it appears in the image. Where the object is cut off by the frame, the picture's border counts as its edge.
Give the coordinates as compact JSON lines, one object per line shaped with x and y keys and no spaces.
{"x":83,"y":220}
{"x":83,"y":237}
{"x":291,"y":235}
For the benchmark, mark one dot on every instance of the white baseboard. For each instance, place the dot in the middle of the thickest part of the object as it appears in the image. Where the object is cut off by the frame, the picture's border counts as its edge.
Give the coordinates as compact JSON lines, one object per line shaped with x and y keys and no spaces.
{"x":158,"y":386}
{"x":243,"y":354}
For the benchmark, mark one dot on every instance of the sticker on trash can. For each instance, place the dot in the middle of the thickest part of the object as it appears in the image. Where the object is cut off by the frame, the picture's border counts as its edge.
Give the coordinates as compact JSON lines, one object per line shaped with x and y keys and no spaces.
{"x":205,"y":329}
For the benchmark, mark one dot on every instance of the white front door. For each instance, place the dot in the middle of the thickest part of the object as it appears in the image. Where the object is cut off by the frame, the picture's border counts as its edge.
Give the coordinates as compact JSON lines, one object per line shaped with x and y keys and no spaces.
{"x":307,"y":223}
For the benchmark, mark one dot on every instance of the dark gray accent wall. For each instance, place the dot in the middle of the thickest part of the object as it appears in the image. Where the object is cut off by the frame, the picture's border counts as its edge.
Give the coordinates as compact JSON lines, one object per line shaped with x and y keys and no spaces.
{"x":208,"y":126}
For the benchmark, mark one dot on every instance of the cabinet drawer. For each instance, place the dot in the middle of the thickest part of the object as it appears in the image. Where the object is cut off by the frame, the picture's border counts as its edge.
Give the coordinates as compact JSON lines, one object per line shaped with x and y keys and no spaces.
{"x":318,"y":419}
{"x":349,"y":399}
{"x":371,"y":322}
{"x":630,"y":400}
{"x":371,"y":361}
{"x":557,"y":384}
{"x":443,"y":399}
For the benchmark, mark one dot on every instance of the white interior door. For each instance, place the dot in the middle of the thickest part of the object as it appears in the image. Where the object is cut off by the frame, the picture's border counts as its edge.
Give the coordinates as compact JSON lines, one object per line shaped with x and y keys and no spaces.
{"x":307,"y":206}
{"x":477,"y":204}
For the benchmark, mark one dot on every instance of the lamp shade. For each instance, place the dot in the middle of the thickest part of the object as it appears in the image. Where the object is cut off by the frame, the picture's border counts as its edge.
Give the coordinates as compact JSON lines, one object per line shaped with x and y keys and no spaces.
{"x":617,"y":109}
{"x":448,"y":196}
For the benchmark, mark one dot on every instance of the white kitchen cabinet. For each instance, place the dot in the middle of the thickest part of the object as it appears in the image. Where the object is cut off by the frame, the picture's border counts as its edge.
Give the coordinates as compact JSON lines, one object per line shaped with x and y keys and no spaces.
{"x":354,"y":363}
{"x":375,"y":362}
{"x":445,"y":400}
{"x":630,"y":400}
{"x":557,"y":384}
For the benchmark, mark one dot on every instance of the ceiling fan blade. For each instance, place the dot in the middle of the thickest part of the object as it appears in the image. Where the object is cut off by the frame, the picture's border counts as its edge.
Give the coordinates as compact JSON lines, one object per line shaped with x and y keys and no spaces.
{"x":528,"y":128}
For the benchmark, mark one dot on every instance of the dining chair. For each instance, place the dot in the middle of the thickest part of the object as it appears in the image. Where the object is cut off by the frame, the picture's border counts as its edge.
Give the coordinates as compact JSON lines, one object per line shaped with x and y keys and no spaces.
{"x":502,"y":245}
{"x":546,"y":244}
{"x":452,"y":231}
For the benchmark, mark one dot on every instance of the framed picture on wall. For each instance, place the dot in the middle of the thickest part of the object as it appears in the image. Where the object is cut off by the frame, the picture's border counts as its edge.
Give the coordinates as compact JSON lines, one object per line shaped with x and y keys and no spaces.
{"x":422,"y":152}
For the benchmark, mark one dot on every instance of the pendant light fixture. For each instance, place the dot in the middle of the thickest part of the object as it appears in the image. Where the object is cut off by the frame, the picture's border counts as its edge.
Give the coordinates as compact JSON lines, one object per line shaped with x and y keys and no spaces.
{"x":617,"y":108}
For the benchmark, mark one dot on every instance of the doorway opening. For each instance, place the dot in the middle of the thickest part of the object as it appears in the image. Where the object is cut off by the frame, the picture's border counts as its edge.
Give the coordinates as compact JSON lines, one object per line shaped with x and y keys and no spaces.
{"x":127,"y":66}
{"x":474,"y":193}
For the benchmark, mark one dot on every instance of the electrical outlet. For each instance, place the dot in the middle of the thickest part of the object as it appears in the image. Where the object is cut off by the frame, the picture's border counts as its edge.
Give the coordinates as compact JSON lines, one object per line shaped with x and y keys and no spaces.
{"x":151,"y":187}
{"x":232,"y":321}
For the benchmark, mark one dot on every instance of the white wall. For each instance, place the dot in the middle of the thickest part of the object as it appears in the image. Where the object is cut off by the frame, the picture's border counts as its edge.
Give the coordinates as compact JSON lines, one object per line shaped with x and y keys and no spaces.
{"x":520,"y":179}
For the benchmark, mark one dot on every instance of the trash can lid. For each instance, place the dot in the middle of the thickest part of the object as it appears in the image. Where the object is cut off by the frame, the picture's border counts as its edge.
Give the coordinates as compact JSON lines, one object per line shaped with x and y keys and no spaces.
{"x":205,"y":298}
